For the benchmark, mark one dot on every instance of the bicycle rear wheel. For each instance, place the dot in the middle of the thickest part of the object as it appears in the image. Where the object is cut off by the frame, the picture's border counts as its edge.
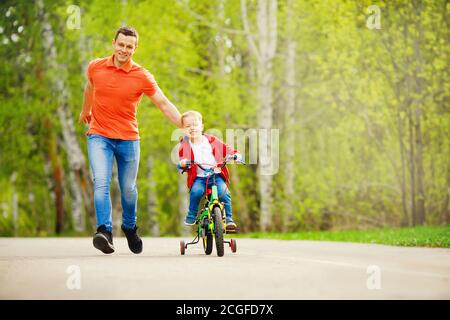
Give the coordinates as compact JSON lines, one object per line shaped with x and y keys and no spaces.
{"x":208,"y":243}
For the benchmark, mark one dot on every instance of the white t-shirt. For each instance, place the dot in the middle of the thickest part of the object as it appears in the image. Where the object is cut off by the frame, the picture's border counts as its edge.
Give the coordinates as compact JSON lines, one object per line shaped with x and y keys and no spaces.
{"x":203,"y":155}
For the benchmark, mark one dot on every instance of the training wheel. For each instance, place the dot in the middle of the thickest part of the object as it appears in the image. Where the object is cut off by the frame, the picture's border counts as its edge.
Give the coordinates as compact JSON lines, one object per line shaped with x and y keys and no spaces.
{"x":233,"y":245}
{"x":182,"y":247}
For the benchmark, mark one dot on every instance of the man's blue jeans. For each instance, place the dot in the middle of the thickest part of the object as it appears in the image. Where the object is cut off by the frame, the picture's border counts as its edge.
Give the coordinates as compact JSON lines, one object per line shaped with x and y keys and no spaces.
{"x":197,"y":191}
{"x":102,"y":152}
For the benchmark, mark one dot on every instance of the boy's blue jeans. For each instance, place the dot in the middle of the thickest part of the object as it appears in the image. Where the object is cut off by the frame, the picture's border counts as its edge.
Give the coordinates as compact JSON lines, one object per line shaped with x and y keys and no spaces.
{"x":199,"y":188}
{"x":102,"y":152}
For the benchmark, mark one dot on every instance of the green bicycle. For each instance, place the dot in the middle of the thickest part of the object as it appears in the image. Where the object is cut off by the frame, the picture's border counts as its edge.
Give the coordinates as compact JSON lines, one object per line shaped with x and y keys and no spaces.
{"x":211,"y":221}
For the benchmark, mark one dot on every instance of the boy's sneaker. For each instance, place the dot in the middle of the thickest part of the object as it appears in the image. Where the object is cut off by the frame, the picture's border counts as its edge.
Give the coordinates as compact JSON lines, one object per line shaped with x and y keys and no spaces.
{"x":134,"y":241}
{"x":189,"y":221}
{"x":231,"y":226}
{"x":103,"y":240}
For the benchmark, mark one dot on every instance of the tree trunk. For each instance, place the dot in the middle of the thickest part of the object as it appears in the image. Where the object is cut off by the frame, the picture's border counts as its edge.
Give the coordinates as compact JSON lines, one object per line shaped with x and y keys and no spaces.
{"x":80,"y":187}
{"x":264,"y":53}
{"x":397,"y":86}
{"x":48,"y":215}
{"x":289,"y":118}
{"x":77,"y":204}
{"x":83,"y":175}
{"x":406,"y":221}
{"x":239,"y":201}
{"x":59,"y":203}
{"x":420,"y":171}
{"x":15,"y":203}
{"x":412,"y":170}
{"x":151,"y":204}
{"x":56,"y":173}
{"x":445,"y":209}
{"x":221,"y":44}
{"x":418,"y":114}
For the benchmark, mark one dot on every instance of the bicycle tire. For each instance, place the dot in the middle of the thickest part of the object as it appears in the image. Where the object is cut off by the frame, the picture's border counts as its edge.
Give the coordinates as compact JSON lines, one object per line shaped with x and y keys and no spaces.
{"x":208,"y":243}
{"x":218,"y":231}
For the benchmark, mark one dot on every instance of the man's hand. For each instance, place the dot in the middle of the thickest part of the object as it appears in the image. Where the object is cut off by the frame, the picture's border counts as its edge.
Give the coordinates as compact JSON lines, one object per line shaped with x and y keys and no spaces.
{"x":85,"y":117}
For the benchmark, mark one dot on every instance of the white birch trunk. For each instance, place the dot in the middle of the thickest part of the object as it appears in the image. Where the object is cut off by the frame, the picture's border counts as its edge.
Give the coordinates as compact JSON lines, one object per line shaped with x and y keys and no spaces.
{"x":264,"y":51}
{"x":77,"y":163}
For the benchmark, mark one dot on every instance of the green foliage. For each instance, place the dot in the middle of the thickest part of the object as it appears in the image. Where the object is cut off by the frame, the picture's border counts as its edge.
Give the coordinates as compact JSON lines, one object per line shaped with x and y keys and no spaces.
{"x":363,"y":99}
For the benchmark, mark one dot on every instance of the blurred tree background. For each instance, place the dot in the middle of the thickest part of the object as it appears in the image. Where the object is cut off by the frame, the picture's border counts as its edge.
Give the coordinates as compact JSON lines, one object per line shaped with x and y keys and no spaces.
{"x":359,"y":93}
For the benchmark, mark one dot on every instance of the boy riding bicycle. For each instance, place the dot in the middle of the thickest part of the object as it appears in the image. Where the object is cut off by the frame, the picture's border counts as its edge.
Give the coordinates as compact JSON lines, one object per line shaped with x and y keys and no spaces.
{"x":207,"y":150}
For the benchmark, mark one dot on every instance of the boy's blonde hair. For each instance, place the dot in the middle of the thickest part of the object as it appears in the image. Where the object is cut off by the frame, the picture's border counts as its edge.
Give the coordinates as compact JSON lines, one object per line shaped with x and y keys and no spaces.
{"x":193,"y":113}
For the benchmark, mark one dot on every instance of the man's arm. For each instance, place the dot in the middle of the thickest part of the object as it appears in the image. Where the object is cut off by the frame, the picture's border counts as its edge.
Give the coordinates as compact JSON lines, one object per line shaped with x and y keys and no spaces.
{"x":85,"y":115}
{"x":166,"y":107}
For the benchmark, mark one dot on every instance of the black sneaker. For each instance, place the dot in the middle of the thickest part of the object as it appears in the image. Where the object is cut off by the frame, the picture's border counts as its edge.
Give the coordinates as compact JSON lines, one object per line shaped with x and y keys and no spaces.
{"x":103,"y":240}
{"x":134,"y":242}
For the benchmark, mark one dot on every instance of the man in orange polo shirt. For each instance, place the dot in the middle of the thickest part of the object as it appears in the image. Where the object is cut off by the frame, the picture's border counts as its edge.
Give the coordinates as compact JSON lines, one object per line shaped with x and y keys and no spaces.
{"x":114,"y":88}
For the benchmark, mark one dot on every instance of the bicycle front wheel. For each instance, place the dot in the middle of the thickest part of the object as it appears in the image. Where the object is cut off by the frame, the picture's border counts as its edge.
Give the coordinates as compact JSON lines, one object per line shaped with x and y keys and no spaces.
{"x":218,"y":231}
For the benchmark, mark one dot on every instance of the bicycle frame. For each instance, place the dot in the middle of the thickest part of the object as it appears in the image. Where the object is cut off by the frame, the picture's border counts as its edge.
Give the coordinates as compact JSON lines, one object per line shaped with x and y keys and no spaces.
{"x":211,"y":202}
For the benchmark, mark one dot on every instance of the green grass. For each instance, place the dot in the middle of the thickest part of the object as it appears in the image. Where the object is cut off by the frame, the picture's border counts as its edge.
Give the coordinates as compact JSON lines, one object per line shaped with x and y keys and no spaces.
{"x":424,"y":236}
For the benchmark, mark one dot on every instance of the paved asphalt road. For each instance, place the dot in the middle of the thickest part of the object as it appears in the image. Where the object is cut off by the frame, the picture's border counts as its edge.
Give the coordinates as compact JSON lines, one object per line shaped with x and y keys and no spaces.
{"x":71,"y":268}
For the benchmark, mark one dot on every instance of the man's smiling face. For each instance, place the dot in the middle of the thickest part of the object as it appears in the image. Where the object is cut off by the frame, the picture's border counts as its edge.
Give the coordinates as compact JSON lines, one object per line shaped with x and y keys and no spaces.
{"x":124,"y":48}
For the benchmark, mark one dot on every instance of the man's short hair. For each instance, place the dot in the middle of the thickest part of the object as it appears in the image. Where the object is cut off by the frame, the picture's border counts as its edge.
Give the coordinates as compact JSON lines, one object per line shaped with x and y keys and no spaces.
{"x":192,"y":113}
{"x":127,"y":31}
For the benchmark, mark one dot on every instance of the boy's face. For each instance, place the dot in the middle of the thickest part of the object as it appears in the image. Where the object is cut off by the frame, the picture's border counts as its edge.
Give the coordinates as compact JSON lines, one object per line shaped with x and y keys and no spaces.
{"x":192,"y":126}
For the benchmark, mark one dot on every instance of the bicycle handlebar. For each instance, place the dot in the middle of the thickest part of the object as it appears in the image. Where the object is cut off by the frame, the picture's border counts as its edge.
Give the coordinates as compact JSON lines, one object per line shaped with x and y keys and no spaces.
{"x":220,"y":165}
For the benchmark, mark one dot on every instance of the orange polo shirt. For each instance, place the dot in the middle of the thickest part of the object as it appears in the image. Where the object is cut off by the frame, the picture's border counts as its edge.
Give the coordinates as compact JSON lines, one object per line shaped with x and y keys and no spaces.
{"x":117,"y":92}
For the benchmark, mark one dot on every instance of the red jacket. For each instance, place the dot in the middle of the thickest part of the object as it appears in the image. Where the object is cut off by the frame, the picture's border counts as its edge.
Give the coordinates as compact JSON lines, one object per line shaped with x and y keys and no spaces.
{"x":219,"y":150}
